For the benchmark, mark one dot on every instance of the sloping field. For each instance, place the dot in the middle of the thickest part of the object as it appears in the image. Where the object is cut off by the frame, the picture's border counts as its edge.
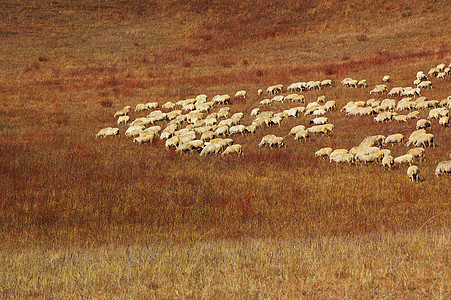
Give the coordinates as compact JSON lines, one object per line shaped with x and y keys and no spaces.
{"x":82,"y":216}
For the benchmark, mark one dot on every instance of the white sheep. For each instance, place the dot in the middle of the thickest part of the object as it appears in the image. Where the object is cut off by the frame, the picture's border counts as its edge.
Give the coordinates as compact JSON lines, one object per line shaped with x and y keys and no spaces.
{"x":413,"y":173}
{"x":326,"y":82}
{"x":240,"y":94}
{"x":323,"y":152}
{"x":443,"y":167}
{"x":337,"y":152}
{"x":123,"y":120}
{"x":123,"y":111}
{"x":423,"y":123}
{"x":206,"y":136}
{"x":301,"y":134}
{"x":108,"y":131}
{"x":394,"y":138}
{"x":413,"y":115}
{"x":417,"y":152}
{"x":255,"y":112}
{"x":250,"y":129}
{"x":259,"y":92}
{"x":222,"y":130}
{"x":425,"y":85}
{"x":210,"y":149}
{"x":237,"y":129}
{"x":444,"y":121}
{"x":271,"y":140}
{"x":386,"y":78}
{"x":236,"y":148}
{"x":404,"y":159}
{"x":141,"y":107}
{"x":421,"y":76}
{"x":296,"y":129}
{"x":265,"y":102}
{"x":342,"y":158}
{"x":373,"y":140}
{"x":319,"y":121}
{"x":195,"y":145}
{"x":172,"y":142}
{"x":388,"y":162}
{"x":134,"y":131}
{"x":362,"y":83}
{"x":144,"y":137}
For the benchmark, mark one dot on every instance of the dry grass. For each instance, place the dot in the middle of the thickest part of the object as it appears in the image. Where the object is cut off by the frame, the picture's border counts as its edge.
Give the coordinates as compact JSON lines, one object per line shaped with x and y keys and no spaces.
{"x":98,"y":218}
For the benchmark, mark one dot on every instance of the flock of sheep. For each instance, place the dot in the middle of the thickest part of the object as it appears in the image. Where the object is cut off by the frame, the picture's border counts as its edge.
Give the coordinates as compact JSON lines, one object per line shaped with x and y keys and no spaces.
{"x":195,"y":125}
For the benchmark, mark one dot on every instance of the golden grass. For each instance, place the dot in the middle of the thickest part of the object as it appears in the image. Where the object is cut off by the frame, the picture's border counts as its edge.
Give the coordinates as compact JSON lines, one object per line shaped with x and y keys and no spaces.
{"x":103,"y":218}
{"x":402,"y":265}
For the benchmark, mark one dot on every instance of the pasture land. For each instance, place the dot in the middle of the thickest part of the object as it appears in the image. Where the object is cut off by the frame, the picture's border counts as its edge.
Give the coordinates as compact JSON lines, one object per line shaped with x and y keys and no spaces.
{"x":102,"y":218}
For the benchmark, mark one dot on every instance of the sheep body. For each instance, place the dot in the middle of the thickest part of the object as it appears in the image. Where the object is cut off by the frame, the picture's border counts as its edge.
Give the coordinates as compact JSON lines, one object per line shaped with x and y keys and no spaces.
{"x":443,"y":167}
{"x":108,"y":131}
{"x":236,"y":148}
{"x":413,"y":173}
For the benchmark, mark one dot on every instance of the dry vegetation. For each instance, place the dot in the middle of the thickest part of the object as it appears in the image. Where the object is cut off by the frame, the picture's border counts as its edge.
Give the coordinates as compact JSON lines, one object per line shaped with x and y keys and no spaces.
{"x":83,"y":217}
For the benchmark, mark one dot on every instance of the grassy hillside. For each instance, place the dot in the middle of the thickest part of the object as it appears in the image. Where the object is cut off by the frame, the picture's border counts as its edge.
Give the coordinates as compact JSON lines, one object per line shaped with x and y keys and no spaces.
{"x":66,"y":67}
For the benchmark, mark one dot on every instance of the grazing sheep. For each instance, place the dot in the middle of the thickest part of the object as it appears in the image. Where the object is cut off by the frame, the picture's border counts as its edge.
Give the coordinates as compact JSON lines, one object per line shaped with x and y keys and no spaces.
{"x":421,"y":76}
{"x":207,"y":136}
{"x":423,"y":123}
{"x":143,"y":121}
{"x":394,"y":138}
{"x":413,"y":173}
{"x":404,"y":159}
{"x":195,"y":145}
{"x":401,"y":118}
{"x":271,"y":140}
{"x":319,"y":121}
{"x":417,"y":152}
{"x":250,"y":129}
{"x":388,"y":162}
{"x":237,"y":148}
{"x":265,"y":102}
{"x":425,"y":85}
{"x":275,"y":89}
{"x":123,"y":120}
{"x":210,"y":149}
{"x":373,"y":140}
{"x":108,"y":131}
{"x":330,"y":105}
{"x":259,"y":92}
{"x":141,"y":107}
{"x":123,"y":111}
{"x":342,"y":158}
{"x":296,"y":129}
{"x":362,"y":84}
{"x":444,"y":121}
{"x":255,"y":112}
{"x":172,"y":142}
{"x":326,"y":82}
{"x":134,"y":131}
{"x":383,"y":116}
{"x":337,"y":152}
{"x":386,"y":78}
{"x":443,"y":167}
{"x":301,"y":134}
{"x":425,"y":140}
{"x":237,"y":129}
{"x":323,"y":152}
{"x":413,"y":115}
{"x":222,"y":130}
{"x":323,"y":129}
{"x":240,"y":94}
{"x":144,"y":137}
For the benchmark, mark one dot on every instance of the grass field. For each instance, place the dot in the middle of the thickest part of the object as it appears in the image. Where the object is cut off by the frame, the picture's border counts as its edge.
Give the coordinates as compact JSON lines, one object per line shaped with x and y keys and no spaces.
{"x":82,"y":217}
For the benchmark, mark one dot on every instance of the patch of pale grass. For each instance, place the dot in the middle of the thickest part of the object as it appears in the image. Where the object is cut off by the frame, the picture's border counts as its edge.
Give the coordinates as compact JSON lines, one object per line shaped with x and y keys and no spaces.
{"x":386,"y":265}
